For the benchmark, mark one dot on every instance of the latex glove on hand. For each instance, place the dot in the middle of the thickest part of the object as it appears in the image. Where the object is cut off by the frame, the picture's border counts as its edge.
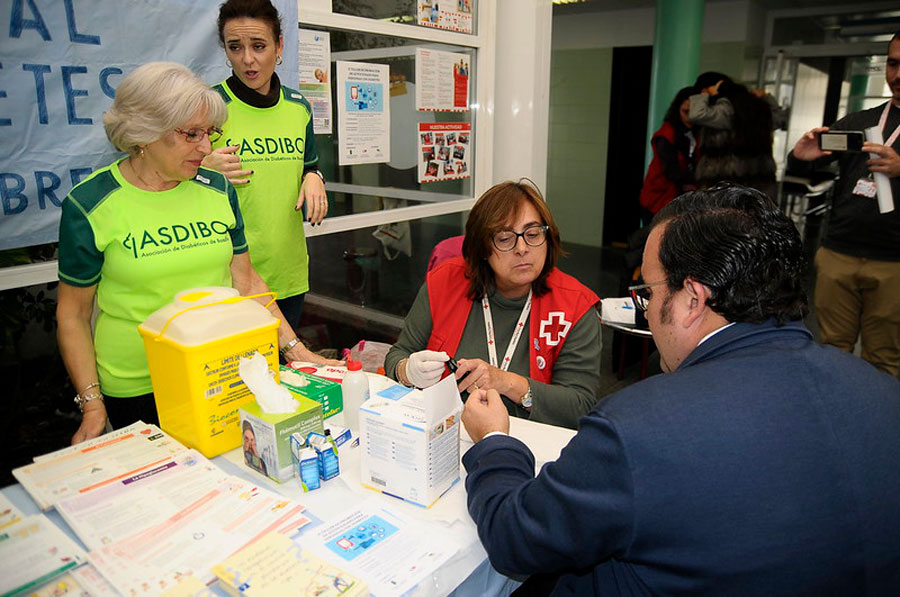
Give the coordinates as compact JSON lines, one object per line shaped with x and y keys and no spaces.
{"x":426,"y":367}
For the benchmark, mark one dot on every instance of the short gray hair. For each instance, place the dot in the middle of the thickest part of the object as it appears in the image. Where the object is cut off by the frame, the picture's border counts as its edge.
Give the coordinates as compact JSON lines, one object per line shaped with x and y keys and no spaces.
{"x":155,"y":99}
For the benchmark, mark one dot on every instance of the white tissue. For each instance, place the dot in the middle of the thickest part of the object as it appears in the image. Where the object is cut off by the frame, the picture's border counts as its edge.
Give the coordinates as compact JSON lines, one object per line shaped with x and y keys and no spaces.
{"x":272,"y":397}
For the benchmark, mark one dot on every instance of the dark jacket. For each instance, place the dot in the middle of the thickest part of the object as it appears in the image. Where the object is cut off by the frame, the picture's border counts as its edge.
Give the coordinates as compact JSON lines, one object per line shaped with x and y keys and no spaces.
{"x":765,"y":465}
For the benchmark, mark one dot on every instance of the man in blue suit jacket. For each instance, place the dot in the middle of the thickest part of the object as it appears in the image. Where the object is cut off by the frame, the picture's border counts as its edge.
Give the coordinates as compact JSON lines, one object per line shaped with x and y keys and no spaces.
{"x":763,"y":463}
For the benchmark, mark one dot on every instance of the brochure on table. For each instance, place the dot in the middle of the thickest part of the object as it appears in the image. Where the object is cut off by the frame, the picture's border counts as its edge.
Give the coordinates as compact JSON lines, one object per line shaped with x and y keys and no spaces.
{"x":118,"y":510}
{"x":194,"y":539}
{"x":96,"y":463}
{"x":276,"y":565}
{"x":393,"y":554}
{"x":9,"y":514}
{"x":315,"y":76}
{"x":33,"y":551}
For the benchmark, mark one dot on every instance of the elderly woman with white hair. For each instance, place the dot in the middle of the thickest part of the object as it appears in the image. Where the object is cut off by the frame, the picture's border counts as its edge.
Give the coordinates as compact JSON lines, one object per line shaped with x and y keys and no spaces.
{"x":142,"y":229}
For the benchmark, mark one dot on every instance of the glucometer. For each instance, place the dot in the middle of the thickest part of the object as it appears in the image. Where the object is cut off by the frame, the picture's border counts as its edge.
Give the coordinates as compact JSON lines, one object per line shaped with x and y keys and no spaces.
{"x":453,"y":365}
{"x":841,"y":141}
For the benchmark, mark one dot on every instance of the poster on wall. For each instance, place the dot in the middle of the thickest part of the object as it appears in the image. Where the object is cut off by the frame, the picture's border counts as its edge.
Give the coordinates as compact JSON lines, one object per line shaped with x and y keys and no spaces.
{"x":364,"y":113}
{"x":315,"y":71}
{"x":60,"y":64}
{"x":444,"y":150}
{"x":455,"y":15}
{"x":442,"y":81}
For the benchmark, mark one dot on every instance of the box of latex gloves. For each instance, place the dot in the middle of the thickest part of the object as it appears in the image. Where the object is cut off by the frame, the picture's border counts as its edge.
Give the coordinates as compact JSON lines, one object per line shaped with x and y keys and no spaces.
{"x":268,"y":422}
{"x":410,"y":441}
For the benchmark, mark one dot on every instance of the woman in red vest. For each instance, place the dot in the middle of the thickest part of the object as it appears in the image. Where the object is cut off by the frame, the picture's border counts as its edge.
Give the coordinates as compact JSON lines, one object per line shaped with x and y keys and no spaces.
{"x":533,"y":334}
{"x":671,"y":170}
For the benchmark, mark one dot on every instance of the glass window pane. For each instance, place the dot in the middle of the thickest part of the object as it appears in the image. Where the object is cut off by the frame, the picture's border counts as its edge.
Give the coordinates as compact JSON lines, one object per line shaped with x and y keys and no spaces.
{"x":402,"y":170}
{"x":379,"y":268}
{"x":454,"y":15}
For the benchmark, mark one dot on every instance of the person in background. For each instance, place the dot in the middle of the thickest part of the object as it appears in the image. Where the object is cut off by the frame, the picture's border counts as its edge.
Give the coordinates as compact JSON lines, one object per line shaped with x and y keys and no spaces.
{"x":139,"y":231}
{"x":268,"y":151}
{"x":734,"y":135}
{"x":514,"y":322}
{"x":761,"y":463}
{"x":857,"y":293}
{"x":671,"y":171}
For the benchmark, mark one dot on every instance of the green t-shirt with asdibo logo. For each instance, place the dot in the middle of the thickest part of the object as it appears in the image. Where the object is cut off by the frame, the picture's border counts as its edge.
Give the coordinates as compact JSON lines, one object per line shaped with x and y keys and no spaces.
{"x":276,"y":143}
{"x":141,"y":248}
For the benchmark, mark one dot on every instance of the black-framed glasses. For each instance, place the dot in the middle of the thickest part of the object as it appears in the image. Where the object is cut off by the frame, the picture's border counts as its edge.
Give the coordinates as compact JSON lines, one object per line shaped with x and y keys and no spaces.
{"x":196,"y":135}
{"x":640,"y":294}
{"x":506,"y":240}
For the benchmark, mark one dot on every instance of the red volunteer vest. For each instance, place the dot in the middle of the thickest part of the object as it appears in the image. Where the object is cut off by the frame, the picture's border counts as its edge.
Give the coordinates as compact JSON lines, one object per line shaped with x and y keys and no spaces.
{"x":552,"y":315}
{"x":657,"y":190}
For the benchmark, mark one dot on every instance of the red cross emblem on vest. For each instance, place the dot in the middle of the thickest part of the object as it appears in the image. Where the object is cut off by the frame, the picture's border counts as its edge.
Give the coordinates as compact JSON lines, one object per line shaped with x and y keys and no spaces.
{"x":555,"y":327}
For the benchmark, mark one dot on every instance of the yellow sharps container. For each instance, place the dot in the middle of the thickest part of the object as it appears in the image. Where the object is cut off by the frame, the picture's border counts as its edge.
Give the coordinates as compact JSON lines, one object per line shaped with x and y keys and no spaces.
{"x":193,"y":348}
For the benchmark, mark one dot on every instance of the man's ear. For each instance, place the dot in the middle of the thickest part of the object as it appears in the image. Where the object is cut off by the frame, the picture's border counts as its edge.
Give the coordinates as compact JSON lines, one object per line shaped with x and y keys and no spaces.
{"x":697,"y":296}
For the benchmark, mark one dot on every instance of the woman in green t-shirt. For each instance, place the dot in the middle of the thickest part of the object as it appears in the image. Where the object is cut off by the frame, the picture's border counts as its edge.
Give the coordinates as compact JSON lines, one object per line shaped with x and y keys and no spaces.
{"x":268,"y":150}
{"x":135,"y":233}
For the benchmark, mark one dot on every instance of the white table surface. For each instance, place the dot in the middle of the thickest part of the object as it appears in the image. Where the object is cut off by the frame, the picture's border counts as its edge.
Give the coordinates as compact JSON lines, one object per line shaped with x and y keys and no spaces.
{"x":344,"y":492}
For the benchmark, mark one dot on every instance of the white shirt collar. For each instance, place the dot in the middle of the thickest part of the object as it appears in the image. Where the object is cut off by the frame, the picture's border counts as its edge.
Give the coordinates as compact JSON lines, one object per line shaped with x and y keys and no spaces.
{"x":714,"y":332}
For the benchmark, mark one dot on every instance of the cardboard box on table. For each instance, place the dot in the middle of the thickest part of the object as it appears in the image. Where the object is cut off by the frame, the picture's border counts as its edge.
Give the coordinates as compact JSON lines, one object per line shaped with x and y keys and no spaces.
{"x":410,"y":442}
{"x":273,"y":432}
{"x":324,"y":391}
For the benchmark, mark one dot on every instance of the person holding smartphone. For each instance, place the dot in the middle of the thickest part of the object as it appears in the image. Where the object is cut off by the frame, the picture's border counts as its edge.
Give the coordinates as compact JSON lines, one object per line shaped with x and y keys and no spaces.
{"x":857,"y":294}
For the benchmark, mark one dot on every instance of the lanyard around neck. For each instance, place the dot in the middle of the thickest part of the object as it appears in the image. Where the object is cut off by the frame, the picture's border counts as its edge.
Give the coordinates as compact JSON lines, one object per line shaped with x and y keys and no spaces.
{"x":513,"y":342}
{"x":883,"y":121}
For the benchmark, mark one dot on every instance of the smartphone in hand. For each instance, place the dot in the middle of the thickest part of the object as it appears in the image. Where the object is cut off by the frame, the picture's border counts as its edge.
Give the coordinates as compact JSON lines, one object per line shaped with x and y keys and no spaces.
{"x":841,"y":141}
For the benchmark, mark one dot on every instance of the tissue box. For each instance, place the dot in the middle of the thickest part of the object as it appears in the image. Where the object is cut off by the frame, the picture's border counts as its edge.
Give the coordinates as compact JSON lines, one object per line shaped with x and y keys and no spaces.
{"x":409,"y":452}
{"x":617,"y":310}
{"x":324,"y":391}
{"x":271,"y":435}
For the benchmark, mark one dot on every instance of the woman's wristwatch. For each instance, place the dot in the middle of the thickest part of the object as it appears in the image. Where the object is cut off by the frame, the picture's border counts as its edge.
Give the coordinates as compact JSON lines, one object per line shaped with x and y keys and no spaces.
{"x":317,"y":172}
{"x":527,"y":399}
{"x":290,"y":344}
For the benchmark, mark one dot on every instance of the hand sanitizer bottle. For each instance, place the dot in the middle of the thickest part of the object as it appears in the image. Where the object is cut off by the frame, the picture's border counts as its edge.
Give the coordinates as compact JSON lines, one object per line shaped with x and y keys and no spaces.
{"x":355,"y":391}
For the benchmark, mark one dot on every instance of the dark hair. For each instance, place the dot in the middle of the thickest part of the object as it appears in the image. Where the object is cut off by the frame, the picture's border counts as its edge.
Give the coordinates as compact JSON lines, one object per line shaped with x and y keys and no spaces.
{"x":247,"y":426}
{"x":710,"y":78}
{"x":735,"y":241}
{"x":250,"y":9}
{"x":751,"y":125}
{"x":491,"y":213}
{"x":673,"y":114}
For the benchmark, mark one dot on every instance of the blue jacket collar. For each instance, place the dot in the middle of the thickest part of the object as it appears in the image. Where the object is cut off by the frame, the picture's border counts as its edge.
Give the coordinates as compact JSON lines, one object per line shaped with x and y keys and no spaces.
{"x":741,"y":335}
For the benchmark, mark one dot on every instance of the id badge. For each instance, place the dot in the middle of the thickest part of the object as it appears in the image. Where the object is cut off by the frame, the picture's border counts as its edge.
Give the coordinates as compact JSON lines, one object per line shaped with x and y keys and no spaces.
{"x":865,"y":188}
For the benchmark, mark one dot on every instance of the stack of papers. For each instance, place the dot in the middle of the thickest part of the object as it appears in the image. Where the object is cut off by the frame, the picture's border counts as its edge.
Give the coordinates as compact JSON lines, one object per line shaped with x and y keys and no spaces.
{"x":96,"y":463}
{"x":191,"y":541}
{"x":34,"y":551}
{"x":9,"y":514}
{"x":275,"y":565}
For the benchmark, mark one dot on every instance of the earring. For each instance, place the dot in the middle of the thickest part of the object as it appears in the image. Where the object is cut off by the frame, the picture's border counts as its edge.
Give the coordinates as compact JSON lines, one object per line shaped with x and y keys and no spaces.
{"x":228,"y":63}
{"x":140,"y":153}
{"x":278,"y":60}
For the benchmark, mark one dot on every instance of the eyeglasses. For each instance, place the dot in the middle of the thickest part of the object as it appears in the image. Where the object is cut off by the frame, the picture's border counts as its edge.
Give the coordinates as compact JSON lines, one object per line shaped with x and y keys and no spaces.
{"x":196,"y":135}
{"x":640,"y":294}
{"x":506,"y":240}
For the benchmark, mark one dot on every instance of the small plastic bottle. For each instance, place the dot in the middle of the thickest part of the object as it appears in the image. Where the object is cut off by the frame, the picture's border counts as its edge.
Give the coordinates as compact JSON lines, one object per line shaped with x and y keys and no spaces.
{"x":355,"y":391}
